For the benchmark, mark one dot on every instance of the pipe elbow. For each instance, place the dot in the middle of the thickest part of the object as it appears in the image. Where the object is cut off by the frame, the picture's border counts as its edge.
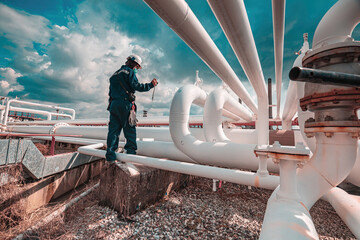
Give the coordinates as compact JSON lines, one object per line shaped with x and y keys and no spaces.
{"x":338,"y":23}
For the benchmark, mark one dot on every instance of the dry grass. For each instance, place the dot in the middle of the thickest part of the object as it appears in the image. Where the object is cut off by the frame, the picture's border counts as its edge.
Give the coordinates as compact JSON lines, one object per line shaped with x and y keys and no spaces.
{"x":43,"y":148}
{"x":11,"y":210}
{"x":57,"y":228}
{"x":14,"y":219}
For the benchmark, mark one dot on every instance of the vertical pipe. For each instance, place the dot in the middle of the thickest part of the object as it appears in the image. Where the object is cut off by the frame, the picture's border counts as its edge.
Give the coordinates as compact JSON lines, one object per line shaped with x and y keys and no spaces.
{"x":292,"y":99}
{"x":278,"y":10}
{"x":270,"y":97}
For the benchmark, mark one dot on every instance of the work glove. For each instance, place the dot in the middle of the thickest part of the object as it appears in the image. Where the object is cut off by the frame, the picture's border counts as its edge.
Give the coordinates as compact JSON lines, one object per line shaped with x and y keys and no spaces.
{"x":132,"y":118}
{"x":154,"y":82}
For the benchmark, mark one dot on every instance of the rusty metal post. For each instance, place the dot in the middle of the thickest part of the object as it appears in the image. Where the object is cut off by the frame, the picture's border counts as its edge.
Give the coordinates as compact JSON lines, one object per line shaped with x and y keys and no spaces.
{"x":52,"y":147}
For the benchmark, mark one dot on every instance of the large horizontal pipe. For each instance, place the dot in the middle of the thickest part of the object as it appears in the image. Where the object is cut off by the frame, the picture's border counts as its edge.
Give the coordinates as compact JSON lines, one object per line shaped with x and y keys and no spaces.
{"x":234,"y":21}
{"x":153,"y":120}
{"x":324,"y":77}
{"x":100,"y":132}
{"x":146,"y":148}
{"x":180,"y":18}
{"x":229,"y":175}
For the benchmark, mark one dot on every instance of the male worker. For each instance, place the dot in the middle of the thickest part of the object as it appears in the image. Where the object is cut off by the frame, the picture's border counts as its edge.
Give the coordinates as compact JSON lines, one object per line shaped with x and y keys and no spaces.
{"x":123,"y":84}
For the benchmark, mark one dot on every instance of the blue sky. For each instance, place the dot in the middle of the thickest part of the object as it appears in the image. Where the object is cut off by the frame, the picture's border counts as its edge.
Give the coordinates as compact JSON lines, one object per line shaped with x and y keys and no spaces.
{"x":64,"y":51}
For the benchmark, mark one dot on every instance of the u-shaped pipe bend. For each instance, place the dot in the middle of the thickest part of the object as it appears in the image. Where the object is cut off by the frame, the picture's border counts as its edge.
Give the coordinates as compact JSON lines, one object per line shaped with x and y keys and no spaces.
{"x":223,"y":154}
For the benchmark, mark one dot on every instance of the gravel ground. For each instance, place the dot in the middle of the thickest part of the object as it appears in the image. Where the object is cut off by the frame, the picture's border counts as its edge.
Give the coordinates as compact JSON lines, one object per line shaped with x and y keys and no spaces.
{"x":196,"y":212}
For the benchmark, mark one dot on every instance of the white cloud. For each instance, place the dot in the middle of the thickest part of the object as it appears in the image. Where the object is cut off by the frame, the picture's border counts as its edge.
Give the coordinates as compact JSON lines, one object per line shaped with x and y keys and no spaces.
{"x":23,"y":28}
{"x":9,"y":82}
{"x":71,"y":65}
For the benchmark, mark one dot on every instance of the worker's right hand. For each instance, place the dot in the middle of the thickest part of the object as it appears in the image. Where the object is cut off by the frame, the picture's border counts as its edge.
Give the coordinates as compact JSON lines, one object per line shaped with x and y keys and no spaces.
{"x":154,"y":82}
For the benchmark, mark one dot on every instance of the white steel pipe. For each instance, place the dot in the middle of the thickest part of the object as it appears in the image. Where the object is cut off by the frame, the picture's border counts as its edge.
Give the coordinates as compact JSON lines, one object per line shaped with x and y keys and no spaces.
{"x":329,"y":166}
{"x":278,"y":11}
{"x":354,"y":176}
{"x":180,"y":18}
{"x":248,"y":136}
{"x":49,"y":115}
{"x":291,"y":102}
{"x":224,"y":154}
{"x":100,"y":132}
{"x":40,"y":112}
{"x":153,"y":120}
{"x":157,"y":149}
{"x":215,"y":102}
{"x":96,"y":121}
{"x":234,"y":21}
{"x":347,"y":207}
{"x":34,"y":104}
{"x":229,"y":175}
{"x":338,"y":23}
{"x":146,"y":148}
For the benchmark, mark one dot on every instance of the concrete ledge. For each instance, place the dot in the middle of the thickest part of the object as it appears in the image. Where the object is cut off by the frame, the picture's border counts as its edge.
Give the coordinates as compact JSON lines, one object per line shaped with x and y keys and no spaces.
{"x":37,"y":194}
{"x":130,"y":187}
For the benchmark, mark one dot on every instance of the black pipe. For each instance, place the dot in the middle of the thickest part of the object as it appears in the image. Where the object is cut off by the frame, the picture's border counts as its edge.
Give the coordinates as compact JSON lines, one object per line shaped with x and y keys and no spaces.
{"x":324,"y":77}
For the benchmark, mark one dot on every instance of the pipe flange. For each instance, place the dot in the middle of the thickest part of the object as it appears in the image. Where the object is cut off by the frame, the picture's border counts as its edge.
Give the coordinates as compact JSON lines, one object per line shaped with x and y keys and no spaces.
{"x":56,"y":126}
{"x":330,"y":131}
{"x":335,"y":96}
{"x":310,"y":124}
{"x":345,"y":52}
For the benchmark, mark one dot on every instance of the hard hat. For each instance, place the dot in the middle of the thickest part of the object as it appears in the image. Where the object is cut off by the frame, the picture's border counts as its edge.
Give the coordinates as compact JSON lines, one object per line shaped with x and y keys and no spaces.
{"x":135,"y":58}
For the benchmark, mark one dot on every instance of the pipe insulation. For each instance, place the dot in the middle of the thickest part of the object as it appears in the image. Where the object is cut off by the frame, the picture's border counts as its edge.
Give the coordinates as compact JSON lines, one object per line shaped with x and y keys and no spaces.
{"x":233,"y":19}
{"x":181,"y":19}
{"x":226,"y":154}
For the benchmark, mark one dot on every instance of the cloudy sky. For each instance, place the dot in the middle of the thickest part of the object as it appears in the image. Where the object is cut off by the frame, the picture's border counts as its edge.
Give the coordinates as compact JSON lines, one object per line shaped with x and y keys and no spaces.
{"x":64,"y":51}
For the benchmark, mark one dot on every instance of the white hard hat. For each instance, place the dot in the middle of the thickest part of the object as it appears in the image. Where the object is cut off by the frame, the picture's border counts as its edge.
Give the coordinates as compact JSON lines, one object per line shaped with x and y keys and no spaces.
{"x":135,"y":58}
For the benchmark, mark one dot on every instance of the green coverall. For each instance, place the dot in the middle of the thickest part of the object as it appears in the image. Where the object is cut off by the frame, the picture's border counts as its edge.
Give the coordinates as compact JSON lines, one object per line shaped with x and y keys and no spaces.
{"x":119,"y":108}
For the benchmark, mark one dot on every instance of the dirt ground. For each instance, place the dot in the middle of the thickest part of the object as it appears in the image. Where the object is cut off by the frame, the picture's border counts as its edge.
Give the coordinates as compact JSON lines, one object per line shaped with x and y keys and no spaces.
{"x":195,"y":212}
